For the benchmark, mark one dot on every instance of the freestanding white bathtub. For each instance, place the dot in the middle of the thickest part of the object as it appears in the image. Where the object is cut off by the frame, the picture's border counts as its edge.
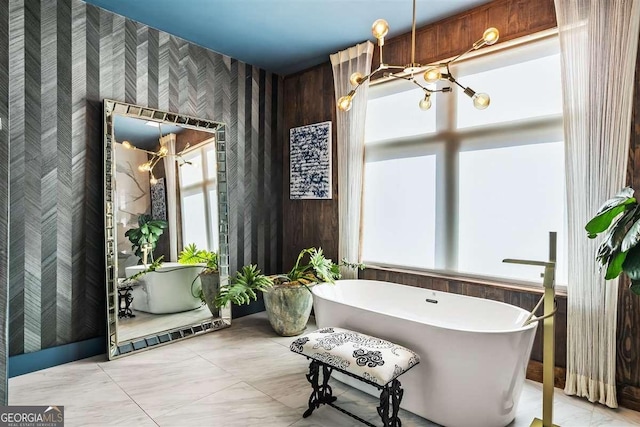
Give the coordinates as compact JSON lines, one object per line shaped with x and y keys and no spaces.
{"x":473,"y":351}
{"x":166,"y":290}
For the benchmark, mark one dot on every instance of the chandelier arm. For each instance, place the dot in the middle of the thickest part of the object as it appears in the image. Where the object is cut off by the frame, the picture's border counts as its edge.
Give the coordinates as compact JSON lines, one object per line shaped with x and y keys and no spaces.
{"x":459,"y":56}
{"x":413,"y":80}
{"x":143,"y":150}
{"x":413,"y":36}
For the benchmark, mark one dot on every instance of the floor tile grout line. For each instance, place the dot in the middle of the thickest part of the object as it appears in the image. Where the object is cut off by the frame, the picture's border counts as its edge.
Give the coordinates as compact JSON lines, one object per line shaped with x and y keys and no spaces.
{"x":192,"y":402}
{"x":128,"y":395}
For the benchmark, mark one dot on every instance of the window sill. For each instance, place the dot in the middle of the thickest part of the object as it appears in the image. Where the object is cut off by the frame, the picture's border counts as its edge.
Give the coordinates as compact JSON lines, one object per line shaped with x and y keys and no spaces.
{"x":508,"y":284}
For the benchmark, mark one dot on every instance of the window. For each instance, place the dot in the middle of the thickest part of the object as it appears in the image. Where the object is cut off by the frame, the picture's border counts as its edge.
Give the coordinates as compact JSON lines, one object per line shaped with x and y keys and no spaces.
{"x":198,"y":196}
{"x":459,"y":189}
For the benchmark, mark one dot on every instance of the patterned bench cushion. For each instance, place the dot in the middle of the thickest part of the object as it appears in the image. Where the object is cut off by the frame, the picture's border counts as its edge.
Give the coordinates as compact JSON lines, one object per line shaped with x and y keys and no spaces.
{"x":364,"y":356}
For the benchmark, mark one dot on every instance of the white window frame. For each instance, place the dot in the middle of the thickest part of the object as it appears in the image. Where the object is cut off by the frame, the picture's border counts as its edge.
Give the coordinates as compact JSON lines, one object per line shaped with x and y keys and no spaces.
{"x":204,"y":187}
{"x":447,"y":142}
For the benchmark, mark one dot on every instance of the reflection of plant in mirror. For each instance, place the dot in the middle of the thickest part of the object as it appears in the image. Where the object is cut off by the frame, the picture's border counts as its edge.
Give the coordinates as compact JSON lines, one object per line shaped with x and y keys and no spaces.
{"x":156,"y":264}
{"x":241,"y":289}
{"x":148,"y":232}
{"x":192,"y":255}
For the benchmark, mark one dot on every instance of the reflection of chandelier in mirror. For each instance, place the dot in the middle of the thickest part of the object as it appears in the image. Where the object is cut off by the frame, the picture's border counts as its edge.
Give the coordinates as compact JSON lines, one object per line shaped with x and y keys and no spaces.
{"x":432,"y":74}
{"x":156,"y":156}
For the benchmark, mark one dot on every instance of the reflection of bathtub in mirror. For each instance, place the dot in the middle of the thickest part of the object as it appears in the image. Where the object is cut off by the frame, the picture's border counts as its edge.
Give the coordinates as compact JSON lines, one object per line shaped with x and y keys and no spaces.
{"x":166,"y":290}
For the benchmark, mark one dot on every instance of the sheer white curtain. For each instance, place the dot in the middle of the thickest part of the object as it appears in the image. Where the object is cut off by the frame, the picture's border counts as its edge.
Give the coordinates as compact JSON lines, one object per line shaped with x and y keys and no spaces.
{"x":599,"y":43}
{"x":171,"y":182}
{"x":350,"y":131}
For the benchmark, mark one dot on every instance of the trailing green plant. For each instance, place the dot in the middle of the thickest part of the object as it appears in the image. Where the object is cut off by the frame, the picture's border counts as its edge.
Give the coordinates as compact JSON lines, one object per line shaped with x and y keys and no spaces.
{"x":619,"y":219}
{"x":156,"y":264}
{"x":148,"y":232}
{"x":242,"y":288}
{"x":192,"y":255}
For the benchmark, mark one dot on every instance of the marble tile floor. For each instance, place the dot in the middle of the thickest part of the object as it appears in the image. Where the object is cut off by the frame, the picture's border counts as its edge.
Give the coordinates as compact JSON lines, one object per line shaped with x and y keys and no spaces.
{"x":241,"y":376}
{"x":147,"y":324}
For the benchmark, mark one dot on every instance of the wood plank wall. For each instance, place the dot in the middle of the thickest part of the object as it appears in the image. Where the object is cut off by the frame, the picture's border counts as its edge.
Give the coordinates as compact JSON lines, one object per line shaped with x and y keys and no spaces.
{"x":309,"y":97}
{"x":628,"y":331}
{"x":64,"y":57}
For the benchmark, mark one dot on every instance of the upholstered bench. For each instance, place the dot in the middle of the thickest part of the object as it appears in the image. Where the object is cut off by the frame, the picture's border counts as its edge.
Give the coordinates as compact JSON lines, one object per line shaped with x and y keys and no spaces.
{"x":369,"y":359}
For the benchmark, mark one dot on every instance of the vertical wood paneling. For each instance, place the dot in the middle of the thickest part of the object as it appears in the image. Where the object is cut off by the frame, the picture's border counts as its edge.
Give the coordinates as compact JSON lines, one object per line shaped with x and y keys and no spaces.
{"x":309,"y":222}
{"x":261,"y":226}
{"x":62,"y":59}
{"x":4,"y":197}
{"x":628,"y":333}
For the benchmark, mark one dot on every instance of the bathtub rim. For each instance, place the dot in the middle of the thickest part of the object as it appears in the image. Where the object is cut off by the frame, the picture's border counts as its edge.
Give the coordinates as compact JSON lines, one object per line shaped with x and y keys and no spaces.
{"x":165,"y":267}
{"x":531,"y":325}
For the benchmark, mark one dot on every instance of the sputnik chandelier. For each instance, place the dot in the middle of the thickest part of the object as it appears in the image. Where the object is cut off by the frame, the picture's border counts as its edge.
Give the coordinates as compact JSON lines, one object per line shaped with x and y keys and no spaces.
{"x":156,"y":156}
{"x":432,"y":74}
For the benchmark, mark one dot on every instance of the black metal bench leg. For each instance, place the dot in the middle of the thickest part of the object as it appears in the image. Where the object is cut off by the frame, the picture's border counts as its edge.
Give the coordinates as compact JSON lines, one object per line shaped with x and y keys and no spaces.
{"x":390,"y":399}
{"x":322,"y":393}
{"x":396,"y":398}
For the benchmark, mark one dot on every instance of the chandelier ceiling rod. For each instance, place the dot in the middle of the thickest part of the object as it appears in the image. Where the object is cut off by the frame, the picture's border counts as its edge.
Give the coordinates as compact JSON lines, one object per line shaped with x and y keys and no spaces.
{"x":438,"y":71}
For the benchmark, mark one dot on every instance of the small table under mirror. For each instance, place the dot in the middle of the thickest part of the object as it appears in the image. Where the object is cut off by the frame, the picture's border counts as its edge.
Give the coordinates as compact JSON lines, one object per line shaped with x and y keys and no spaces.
{"x":164,"y":173}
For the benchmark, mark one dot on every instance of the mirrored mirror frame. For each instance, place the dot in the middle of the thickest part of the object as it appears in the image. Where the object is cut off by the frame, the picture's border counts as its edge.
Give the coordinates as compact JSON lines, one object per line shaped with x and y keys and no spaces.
{"x":118,"y":349}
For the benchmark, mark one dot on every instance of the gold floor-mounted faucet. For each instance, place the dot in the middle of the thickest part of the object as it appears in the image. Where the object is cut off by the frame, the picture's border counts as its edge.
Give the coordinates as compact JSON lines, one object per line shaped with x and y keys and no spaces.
{"x":548,"y":331}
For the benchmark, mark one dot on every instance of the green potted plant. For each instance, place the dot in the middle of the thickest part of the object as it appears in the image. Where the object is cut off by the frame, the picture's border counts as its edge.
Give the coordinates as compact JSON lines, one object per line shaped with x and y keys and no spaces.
{"x":209,"y":276}
{"x":289,"y":301}
{"x":148,"y":232}
{"x":619,"y":219}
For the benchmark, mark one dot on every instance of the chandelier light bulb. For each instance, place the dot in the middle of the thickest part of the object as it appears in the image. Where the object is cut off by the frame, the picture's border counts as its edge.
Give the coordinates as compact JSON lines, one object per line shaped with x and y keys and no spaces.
{"x":356,"y":78}
{"x":380,"y":28}
{"x":344,"y":103}
{"x":481,"y":101}
{"x":153,"y":180}
{"x":490,"y":36}
{"x":425,"y":103}
{"x":127,"y":144}
{"x":432,"y":75}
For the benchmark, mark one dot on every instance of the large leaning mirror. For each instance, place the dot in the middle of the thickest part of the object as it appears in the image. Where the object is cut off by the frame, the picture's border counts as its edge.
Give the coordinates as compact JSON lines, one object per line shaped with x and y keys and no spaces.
{"x":165,"y":190}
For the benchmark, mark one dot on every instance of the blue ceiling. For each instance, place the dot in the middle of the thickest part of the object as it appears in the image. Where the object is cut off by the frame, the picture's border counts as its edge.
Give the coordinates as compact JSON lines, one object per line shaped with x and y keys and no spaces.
{"x":138,"y":133}
{"x":282,"y":36}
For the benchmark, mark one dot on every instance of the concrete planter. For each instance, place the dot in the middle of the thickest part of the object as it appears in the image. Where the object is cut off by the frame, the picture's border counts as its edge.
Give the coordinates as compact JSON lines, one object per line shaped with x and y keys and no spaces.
{"x":210,"y":288}
{"x":288,"y":308}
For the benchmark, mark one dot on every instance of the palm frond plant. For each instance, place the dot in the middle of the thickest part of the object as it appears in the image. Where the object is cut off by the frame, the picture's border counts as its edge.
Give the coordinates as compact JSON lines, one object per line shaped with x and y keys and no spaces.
{"x":317,"y":269}
{"x":242,"y":288}
{"x":192,"y":255}
{"x":619,"y":219}
{"x":209,"y":282}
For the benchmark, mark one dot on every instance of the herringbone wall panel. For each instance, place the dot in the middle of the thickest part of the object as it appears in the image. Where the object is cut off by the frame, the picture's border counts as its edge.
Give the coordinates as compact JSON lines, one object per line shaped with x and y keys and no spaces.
{"x":4,"y":193}
{"x":58,"y":61}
